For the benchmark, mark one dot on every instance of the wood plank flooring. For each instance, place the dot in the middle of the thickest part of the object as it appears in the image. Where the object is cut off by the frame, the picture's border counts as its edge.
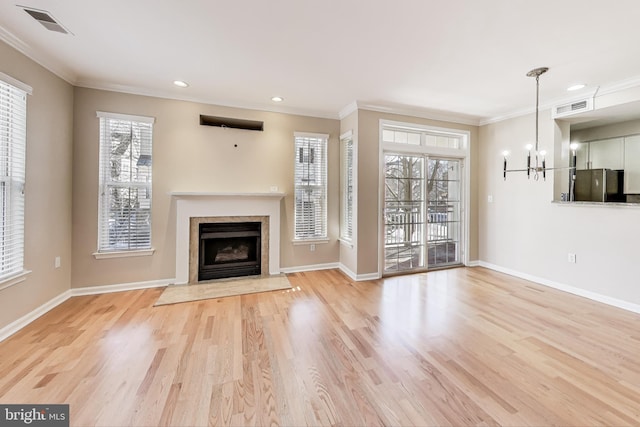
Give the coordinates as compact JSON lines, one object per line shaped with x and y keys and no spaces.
{"x":455,"y":347}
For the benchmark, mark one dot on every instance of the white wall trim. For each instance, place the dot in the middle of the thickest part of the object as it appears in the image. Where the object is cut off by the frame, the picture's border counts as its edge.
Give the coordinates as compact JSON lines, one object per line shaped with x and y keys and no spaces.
{"x":475,"y":263}
{"x":346,"y":270}
{"x":462,"y":154}
{"x":126,"y":117}
{"x":14,"y":279}
{"x":358,"y":277}
{"x":17,"y":83}
{"x":17,"y":325}
{"x":123,"y":254}
{"x":312,"y":267}
{"x":423,"y":113}
{"x":625,"y":305}
{"x":193,"y":205}
{"x":368,"y":276}
{"x":348,"y":109}
{"x":132,"y":286}
{"x":619,"y":86}
{"x":53,"y":65}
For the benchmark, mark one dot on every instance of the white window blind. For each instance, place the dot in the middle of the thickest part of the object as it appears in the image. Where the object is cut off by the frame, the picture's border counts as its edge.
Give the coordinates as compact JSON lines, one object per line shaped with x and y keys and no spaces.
{"x":124,"y":222}
{"x":310,"y":186}
{"x":13,"y":131}
{"x":346,"y":188}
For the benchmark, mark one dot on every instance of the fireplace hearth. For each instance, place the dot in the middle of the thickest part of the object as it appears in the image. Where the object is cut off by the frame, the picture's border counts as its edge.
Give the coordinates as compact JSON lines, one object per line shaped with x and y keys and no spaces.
{"x":230,"y":249}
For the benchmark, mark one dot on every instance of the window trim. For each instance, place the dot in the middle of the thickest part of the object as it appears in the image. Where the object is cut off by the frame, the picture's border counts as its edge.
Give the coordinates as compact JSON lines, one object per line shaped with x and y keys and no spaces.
{"x":16,"y":83}
{"x":347,"y":138}
{"x":124,"y":254}
{"x":324,"y":186}
{"x":16,"y":219}
{"x":14,"y":279}
{"x":102,"y":185}
{"x":463,"y":153}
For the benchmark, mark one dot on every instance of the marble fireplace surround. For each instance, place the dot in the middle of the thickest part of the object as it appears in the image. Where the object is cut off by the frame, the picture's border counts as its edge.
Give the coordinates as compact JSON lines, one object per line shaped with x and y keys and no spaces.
{"x":196,"y":207}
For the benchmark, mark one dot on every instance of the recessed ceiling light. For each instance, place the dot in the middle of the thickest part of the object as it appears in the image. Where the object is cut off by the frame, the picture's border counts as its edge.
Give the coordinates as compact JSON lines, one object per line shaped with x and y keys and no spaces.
{"x":180,"y":83}
{"x":576,"y":87}
{"x":277,"y":99}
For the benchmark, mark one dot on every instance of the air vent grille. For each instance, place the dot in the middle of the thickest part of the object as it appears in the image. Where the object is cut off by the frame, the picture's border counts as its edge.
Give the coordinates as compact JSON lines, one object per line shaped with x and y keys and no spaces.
{"x":47,"y":21}
{"x":573,"y":108}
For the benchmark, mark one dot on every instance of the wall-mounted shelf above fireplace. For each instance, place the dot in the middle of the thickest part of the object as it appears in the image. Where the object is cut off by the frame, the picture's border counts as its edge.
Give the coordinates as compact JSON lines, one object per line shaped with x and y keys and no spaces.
{"x":226,"y":122}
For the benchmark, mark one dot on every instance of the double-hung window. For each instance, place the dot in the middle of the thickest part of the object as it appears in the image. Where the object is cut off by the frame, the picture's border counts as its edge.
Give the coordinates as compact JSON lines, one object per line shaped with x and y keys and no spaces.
{"x":310,"y":171}
{"x":124,"y":219}
{"x":13,"y":130}
{"x":346,"y":187}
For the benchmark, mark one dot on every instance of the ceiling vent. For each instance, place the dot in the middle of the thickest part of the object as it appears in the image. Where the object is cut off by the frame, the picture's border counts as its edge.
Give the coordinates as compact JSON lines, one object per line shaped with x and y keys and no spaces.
{"x":571,"y":108}
{"x":225,"y":122}
{"x":45,"y":18}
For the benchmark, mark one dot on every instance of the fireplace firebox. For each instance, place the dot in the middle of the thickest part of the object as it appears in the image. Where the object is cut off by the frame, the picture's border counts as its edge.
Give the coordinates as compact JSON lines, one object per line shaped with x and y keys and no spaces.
{"x":229,"y":249}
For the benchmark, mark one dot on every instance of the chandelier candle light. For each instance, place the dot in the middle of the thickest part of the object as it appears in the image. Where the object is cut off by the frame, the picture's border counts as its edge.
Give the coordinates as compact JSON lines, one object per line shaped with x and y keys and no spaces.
{"x":540,"y":165}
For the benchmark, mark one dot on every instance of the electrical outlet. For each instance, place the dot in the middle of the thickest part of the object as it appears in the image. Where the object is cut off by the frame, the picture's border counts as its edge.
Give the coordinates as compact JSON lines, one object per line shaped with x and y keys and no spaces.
{"x":273,"y":188}
{"x":571,"y":258}
{"x":56,"y":262}
{"x":312,"y":247}
{"x":490,"y":198}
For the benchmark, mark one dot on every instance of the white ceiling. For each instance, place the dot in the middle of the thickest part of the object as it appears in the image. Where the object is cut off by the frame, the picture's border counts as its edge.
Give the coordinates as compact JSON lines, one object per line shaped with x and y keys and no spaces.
{"x":466,"y":58}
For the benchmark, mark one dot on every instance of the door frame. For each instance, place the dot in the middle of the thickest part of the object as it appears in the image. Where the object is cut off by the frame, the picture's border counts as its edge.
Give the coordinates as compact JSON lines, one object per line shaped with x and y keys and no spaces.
{"x":463,"y":154}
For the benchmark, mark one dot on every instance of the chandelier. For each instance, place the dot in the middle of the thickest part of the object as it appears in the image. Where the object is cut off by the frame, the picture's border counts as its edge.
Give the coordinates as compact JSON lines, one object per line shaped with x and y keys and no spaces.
{"x":538,"y":166}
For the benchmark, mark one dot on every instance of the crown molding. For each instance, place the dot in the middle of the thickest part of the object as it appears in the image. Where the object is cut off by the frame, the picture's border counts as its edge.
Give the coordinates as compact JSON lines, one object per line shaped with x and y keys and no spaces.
{"x":134,"y":90}
{"x":55,"y":67}
{"x":620,"y":86}
{"x":423,"y":113}
{"x":348,"y":109}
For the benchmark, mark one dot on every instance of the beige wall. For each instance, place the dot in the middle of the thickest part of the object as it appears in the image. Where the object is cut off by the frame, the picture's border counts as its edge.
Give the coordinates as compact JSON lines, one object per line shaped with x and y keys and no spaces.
{"x":191,"y":157}
{"x":47,"y":189}
{"x":523,"y":232}
{"x":369,"y":182}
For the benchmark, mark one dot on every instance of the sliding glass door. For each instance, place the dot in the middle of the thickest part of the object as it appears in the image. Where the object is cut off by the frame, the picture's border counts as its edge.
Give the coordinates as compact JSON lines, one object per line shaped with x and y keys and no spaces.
{"x":422,"y":212}
{"x":443,"y":212}
{"x":404,"y":213}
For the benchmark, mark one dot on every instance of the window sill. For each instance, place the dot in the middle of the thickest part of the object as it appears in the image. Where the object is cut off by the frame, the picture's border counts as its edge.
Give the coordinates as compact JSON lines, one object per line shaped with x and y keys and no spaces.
{"x":345,"y":242}
{"x":123,"y":254}
{"x":309,"y":242}
{"x":14,"y":280}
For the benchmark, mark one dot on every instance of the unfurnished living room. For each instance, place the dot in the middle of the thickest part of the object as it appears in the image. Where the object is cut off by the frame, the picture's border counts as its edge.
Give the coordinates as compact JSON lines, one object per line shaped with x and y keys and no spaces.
{"x":314,"y":213}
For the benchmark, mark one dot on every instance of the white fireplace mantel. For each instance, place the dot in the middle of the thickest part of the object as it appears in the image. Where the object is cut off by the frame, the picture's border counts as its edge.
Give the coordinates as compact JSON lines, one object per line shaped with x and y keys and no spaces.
{"x":204,"y":194}
{"x":210,"y":204}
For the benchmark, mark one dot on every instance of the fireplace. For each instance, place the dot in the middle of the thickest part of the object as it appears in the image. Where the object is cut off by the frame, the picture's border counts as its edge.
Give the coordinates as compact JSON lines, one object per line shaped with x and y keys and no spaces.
{"x":195,"y":208}
{"x":228,"y":246}
{"x":229,"y":249}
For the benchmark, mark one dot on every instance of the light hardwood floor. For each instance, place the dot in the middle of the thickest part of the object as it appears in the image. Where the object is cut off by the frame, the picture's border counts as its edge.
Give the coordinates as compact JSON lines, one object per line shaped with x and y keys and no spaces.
{"x":456,"y":347}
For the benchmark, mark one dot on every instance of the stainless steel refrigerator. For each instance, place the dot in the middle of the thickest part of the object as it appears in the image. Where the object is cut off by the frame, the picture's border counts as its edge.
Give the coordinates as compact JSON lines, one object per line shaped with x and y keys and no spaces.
{"x":599,"y":185}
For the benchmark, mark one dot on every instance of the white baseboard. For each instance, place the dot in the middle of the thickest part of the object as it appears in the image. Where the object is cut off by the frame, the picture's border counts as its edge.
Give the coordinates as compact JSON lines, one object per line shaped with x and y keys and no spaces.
{"x":106,"y":289}
{"x":313,"y":267}
{"x":475,"y":263}
{"x":15,"y":326}
{"x":332,"y":265}
{"x":357,"y":277}
{"x":625,"y":305}
{"x":346,"y":270}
